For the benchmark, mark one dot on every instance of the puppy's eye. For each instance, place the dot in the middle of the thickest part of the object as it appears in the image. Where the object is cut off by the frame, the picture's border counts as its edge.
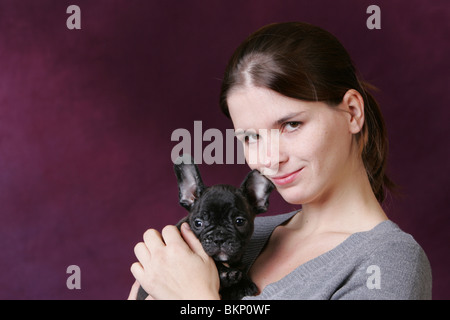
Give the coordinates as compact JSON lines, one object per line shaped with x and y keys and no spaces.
{"x":198,"y":223}
{"x":240,"y":221}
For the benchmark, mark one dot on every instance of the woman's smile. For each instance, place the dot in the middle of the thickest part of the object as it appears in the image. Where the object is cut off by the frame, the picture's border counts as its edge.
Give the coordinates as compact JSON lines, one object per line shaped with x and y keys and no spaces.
{"x":285,"y":179}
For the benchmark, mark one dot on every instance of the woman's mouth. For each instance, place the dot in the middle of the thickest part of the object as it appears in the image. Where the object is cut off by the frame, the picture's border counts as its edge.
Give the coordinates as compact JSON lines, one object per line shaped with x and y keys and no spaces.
{"x":285,"y":179}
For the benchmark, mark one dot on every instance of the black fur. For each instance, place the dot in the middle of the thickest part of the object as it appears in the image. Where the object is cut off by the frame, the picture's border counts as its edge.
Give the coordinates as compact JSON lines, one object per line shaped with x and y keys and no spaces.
{"x":222,"y":217}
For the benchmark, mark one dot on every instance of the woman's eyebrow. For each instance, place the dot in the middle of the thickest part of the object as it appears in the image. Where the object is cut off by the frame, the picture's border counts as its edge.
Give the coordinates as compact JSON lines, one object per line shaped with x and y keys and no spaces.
{"x":287,"y":118}
{"x":240,"y":132}
{"x":276,"y":124}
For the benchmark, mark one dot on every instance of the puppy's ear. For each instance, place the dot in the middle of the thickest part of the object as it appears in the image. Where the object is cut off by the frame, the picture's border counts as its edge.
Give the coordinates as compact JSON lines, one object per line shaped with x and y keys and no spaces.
{"x":190,"y":184}
{"x":257,"y":189}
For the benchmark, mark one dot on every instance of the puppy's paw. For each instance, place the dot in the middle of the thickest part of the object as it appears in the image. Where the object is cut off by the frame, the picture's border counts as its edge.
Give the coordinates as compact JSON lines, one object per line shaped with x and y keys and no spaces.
{"x":229,"y":277}
{"x":236,"y":292}
{"x":250,"y":289}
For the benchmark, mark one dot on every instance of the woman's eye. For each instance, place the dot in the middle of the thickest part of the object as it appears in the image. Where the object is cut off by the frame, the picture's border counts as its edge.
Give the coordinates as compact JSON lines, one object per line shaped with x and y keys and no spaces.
{"x":291,"y":126}
{"x":251,"y":138}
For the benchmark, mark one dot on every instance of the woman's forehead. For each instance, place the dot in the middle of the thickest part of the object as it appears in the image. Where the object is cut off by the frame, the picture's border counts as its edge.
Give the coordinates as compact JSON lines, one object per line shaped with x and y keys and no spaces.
{"x":257,"y":107}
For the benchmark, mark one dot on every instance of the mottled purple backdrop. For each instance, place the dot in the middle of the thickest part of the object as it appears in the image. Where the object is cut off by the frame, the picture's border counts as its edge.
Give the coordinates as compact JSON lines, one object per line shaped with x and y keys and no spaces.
{"x":86,"y":118}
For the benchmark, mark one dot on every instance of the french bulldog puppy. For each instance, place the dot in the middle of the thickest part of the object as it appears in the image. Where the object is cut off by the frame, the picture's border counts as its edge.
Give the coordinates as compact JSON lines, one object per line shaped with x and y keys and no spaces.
{"x":222,"y":218}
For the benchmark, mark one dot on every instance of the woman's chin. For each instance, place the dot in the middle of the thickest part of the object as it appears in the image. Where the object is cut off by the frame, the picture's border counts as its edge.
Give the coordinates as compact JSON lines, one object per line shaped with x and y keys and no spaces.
{"x":293,"y":196}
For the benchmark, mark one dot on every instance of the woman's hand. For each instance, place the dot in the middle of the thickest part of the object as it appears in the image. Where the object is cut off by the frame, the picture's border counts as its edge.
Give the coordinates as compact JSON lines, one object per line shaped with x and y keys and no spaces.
{"x":174,"y":266}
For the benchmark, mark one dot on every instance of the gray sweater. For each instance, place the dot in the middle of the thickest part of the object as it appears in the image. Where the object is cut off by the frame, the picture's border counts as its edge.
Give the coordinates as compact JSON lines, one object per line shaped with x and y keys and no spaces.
{"x":382,"y":263}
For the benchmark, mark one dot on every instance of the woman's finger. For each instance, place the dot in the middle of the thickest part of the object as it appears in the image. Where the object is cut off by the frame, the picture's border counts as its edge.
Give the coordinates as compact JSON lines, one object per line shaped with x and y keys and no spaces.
{"x":134,"y":290}
{"x":171,"y":235}
{"x":138,"y":271}
{"x":153,"y":240}
{"x":142,"y":254}
{"x":192,"y":241}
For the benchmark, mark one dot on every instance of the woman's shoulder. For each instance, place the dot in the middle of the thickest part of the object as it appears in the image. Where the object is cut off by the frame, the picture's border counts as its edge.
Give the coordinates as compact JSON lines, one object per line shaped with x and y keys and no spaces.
{"x":388,"y":237}
{"x":401,"y":263}
{"x":388,"y":243}
{"x":264,"y":227}
{"x":269,"y":223}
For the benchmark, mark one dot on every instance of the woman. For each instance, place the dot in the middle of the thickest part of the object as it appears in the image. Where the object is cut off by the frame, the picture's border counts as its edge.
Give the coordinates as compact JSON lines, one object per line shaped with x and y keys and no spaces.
{"x":329,"y":156}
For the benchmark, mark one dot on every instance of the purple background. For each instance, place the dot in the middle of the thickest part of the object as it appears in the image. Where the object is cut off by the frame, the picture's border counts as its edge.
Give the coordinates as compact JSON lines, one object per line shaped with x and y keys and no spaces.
{"x":86,"y":119}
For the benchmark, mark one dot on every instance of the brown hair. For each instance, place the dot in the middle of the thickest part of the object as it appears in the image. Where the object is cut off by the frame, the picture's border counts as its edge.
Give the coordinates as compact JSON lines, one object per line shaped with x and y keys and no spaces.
{"x":305,"y":62}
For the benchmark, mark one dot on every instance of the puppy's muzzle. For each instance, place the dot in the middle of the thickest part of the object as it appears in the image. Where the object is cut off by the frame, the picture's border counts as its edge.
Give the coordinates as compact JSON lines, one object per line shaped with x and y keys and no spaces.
{"x":220,"y":246}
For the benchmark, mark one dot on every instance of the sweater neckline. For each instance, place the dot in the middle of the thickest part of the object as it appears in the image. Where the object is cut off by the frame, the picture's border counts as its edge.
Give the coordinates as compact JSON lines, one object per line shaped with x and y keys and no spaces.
{"x":304,"y":270}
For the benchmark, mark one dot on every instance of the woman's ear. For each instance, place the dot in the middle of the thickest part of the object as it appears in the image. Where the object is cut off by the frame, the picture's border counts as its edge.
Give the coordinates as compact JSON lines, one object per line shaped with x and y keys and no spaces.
{"x":353,"y":103}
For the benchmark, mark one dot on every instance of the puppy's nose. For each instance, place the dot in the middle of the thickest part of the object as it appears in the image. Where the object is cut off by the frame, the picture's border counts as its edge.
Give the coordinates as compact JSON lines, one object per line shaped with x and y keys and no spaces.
{"x":219,"y":242}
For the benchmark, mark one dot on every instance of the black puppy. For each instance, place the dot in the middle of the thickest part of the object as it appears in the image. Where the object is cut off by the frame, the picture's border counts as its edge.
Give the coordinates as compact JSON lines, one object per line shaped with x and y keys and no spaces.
{"x":222,"y":217}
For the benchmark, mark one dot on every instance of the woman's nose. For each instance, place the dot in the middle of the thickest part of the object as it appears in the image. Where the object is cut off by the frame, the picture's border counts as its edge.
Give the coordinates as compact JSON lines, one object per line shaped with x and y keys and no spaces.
{"x":270,"y":153}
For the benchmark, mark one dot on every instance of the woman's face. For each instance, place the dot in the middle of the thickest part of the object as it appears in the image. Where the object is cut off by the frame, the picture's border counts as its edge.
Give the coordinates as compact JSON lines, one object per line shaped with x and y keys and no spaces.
{"x":303,"y":147}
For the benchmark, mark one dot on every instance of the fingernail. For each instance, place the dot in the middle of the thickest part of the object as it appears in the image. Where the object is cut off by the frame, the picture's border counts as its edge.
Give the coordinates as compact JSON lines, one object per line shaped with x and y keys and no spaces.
{"x":185,"y":225}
